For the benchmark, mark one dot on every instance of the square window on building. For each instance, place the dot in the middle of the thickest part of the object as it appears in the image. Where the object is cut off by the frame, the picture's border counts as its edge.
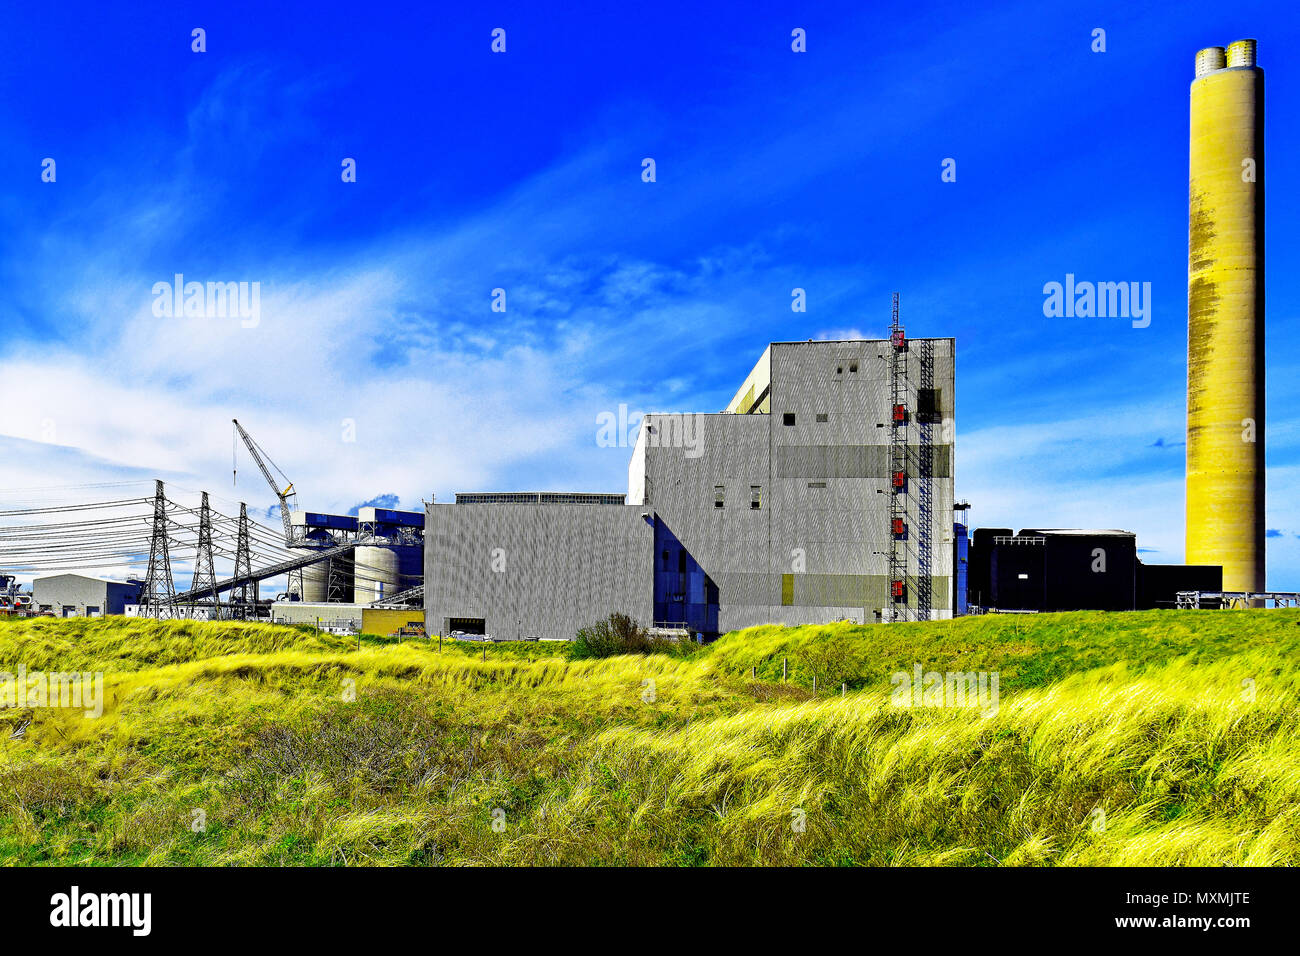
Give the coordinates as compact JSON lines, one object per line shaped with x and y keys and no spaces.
{"x":787,"y":418}
{"x":853,"y":367}
{"x":755,"y":497}
{"x":719,"y":494}
{"x":823,"y":417}
{"x":929,"y":401}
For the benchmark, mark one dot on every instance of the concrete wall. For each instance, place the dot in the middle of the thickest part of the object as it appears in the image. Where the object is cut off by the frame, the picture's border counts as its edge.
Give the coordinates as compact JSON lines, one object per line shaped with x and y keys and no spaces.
{"x":541,"y":570}
{"x":817,"y":547}
{"x":844,"y":528}
{"x":731,"y":544}
{"x":386,"y":621}
{"x":328,"y":615}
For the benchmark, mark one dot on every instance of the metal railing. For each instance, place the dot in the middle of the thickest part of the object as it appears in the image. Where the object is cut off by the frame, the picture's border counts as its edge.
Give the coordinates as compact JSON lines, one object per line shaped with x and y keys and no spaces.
{"x":1200,"y":600}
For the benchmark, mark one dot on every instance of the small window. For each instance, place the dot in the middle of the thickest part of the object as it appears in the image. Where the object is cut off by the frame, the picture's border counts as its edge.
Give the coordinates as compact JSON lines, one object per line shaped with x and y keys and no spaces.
{"x":853,"y":367}
{"x":816,"y":484}
{"x":929,"y":401}
{"x":787,"y":418}
{"x":823,"y":417}
{"x":755,"y":497}
{"x":665,"y":559}
{"x":719,"y":495}
{"x":839,"y":370}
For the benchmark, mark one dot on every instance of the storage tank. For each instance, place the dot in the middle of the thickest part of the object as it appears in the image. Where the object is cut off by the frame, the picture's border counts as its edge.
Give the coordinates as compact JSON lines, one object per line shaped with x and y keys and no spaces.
{"x":1225,"y":317}
{"x":378,"y":574}
{"x":315,"y":583}
{"x":329,"y":580}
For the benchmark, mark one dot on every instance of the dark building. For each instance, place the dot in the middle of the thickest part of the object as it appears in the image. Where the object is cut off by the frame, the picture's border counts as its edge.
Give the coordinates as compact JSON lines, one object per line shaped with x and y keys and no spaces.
{"x":1159,"y":584}
{"x":1056,"y":569}
{"x":979,"y":585}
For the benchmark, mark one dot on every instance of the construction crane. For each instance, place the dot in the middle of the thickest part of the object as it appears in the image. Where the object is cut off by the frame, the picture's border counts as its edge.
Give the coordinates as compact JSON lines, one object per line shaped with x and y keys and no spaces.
{"x":288,"y":497}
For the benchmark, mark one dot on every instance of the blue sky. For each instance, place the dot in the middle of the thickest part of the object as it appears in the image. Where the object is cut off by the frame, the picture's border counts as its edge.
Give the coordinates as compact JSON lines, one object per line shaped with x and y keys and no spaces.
{"x":522,"y":171}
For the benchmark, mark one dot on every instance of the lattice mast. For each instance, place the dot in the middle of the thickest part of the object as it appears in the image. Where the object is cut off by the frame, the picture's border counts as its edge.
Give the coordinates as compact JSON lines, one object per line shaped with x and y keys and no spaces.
{"x":899,"y":415}
{"x":159,"y":591}
{"x":205,"y":574}
{"x":243,"y":597}
{"x":925,"y":482}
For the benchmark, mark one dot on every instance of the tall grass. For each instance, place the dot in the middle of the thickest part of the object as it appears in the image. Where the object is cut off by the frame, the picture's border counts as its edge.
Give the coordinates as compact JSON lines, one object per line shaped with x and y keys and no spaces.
{"x":1173,"y":766}
{"x":1150,"y":739}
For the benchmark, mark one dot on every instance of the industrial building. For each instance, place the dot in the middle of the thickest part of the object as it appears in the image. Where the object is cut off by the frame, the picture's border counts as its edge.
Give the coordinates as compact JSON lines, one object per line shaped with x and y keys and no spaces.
{"x":76,"y":595}
{"x":1056,"y":569}
{"x":389,"y":562}
{"x":821,"y":493}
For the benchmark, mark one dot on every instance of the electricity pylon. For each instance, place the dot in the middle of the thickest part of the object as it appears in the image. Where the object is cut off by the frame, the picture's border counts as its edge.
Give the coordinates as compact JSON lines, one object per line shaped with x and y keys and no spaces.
{"x":243,"y":596}
{"x":205,"y":575}
{"x":158,"y":594}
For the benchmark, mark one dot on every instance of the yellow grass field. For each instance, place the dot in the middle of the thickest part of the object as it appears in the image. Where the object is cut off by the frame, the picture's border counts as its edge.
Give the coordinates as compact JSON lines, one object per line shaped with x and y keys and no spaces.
{"x":1151,"y":738}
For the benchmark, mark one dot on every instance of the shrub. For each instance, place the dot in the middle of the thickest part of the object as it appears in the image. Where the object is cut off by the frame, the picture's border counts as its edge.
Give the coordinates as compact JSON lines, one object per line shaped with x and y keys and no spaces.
{"x":617,"y":634}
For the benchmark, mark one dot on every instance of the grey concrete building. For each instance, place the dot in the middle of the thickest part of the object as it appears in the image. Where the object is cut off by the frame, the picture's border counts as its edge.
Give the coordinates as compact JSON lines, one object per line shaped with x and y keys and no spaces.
{"x":513,"y":569}
{"x":783,"y":501}
{"x":76,"y":595}
{"x":788,"y":507}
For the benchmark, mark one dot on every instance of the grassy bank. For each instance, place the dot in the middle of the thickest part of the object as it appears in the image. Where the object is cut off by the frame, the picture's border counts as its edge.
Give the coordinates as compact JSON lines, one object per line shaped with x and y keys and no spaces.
{"x":1147,"y":738}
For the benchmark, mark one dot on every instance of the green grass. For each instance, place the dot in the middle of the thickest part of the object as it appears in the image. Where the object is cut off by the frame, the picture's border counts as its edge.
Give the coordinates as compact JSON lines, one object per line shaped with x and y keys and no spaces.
{"x":1027,"y":650}
{"x":1152,"y":738}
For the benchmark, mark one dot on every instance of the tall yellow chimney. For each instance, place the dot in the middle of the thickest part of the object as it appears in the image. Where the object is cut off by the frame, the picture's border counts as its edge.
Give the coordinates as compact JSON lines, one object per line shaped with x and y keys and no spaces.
{"x":1225,"y":317}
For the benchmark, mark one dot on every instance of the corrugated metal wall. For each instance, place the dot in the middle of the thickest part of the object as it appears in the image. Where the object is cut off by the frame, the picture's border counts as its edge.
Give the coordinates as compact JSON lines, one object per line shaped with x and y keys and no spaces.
{"x":536,"y":570}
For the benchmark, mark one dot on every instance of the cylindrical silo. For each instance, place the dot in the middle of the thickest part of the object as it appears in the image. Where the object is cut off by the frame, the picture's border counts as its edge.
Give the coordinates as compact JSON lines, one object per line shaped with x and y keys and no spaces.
{"x":1225,"y":317}
{"x":378,"y":574}
{"x":315,"y":582}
